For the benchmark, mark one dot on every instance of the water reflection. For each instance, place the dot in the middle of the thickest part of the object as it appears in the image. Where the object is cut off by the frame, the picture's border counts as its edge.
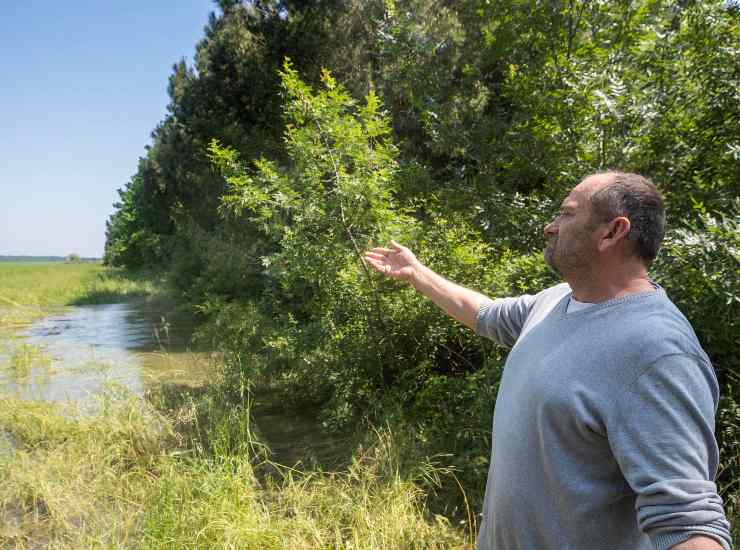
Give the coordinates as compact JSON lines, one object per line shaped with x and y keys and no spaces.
{"x":86,"y":348}
{"x":75,"y":354}
{"x":296,"y":438}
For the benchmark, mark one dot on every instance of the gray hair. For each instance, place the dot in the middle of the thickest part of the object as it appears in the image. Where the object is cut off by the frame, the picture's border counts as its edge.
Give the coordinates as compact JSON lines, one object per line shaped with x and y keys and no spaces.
{"x":636,"y":198}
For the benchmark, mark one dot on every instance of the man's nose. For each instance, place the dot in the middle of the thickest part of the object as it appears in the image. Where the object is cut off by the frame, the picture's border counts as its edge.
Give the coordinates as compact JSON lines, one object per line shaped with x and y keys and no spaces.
{"x":551,"y":229}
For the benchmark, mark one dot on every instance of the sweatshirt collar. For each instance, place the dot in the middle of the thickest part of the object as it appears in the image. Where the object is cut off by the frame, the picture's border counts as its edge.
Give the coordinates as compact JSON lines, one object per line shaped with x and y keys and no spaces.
{"x":635,"y":297}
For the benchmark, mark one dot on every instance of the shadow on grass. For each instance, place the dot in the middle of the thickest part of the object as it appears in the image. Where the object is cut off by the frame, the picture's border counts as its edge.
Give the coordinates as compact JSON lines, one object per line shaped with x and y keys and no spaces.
{"x":287,"y":436}
{"x":170,"y":397}
{"x":115,"y":286}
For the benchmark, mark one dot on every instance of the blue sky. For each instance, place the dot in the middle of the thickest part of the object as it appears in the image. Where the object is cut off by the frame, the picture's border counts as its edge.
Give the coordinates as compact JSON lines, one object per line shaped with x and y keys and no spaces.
{"x":84,"y":83}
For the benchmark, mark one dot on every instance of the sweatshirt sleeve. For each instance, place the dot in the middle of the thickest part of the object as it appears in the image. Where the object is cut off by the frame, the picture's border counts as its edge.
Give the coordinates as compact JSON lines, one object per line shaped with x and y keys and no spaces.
{"x":662,"y":436}
{"x":502,"y":319}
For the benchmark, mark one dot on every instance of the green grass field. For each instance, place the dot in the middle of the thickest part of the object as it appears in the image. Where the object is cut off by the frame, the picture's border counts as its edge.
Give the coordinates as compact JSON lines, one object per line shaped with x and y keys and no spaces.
{"x":57,"y":284}
{"x":32,"y":289}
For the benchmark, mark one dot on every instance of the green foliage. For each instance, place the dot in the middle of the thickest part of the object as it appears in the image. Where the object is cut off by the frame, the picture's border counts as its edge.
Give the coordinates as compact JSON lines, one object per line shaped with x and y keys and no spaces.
{"x":132,"y":241}
{"x":327,"y":332}
{"x":700,"y":269}
{"x":317,"y":215}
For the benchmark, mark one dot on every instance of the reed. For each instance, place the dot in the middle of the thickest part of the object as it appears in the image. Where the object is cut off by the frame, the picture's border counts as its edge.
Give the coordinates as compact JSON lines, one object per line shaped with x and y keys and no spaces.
{"x":173,"y":472}
{"x":128,"y":477}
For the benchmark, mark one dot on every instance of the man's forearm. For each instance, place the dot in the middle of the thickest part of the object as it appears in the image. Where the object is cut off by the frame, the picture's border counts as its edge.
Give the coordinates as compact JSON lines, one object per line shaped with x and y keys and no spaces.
{"x":457,"y":301}
{"x":698,"y":542}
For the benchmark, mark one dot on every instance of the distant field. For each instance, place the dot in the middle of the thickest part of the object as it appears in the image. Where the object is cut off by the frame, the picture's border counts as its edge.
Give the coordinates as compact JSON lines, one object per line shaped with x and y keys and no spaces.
{"x":43,"y":259}
{"x":28,"y":288}
{"x":45,"y":283}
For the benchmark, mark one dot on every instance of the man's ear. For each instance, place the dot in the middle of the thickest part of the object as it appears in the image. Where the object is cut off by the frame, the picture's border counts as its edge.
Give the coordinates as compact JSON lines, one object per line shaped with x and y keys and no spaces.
{"x":616,"y":231}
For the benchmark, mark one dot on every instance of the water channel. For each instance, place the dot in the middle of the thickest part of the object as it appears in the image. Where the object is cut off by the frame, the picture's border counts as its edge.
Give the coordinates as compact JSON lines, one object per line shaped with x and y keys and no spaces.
{"x":76,"y":354}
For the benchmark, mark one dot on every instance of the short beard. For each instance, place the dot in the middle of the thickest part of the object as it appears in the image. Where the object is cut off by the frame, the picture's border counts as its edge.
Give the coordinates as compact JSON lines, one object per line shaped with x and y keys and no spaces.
{"x":549,"y":255}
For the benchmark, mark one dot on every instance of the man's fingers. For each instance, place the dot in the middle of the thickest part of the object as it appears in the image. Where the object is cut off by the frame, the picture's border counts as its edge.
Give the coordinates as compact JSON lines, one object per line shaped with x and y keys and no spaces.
{"x":375,"y":256}
{"x":376,"y":264}
{"x":381,"y":258}
{"x":396,"y":246}
{"x":382,"y":267}
{"x":382,"y":251}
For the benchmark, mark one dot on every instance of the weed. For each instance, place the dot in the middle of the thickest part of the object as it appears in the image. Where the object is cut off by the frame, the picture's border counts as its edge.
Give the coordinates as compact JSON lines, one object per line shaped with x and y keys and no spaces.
{"x":124,"y":479}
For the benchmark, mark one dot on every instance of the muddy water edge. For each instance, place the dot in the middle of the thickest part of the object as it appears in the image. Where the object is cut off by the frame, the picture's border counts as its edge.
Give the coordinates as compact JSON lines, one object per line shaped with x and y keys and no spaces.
{"x":75,"y":354}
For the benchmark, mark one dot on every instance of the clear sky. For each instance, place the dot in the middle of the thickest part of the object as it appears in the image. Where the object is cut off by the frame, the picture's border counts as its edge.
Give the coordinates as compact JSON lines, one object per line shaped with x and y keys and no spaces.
{"x":84,"y":83}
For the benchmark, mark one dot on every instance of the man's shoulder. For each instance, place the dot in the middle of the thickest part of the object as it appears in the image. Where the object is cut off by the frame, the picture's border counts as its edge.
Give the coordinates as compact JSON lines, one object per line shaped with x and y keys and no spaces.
{"x":655,"y":327}
{"x":551,"y":296}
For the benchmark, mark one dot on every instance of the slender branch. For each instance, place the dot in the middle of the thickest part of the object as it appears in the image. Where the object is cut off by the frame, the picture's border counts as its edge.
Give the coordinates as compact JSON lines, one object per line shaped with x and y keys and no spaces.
{"x":458,"y":354}
{"x":573,"y":29}
{"x":347,"y":229}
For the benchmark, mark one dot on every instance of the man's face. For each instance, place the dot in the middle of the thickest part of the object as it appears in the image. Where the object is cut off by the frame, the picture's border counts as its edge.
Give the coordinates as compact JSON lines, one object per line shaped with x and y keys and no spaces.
{"x":571,"y":246}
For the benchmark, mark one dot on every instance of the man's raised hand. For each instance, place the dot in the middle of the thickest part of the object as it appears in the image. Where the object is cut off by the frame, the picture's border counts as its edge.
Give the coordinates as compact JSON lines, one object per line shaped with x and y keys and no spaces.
{"x":397,"y":262}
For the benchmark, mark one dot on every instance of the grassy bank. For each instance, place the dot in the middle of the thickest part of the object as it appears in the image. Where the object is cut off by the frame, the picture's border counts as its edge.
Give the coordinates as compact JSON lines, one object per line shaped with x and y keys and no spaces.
{"x":55,"y":284}
{"x":176,"y":471}
{"x":135,"y":477}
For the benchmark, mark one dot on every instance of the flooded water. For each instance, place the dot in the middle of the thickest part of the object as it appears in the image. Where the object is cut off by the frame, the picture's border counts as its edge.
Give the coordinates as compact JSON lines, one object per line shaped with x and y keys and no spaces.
{"x":77,"y":353}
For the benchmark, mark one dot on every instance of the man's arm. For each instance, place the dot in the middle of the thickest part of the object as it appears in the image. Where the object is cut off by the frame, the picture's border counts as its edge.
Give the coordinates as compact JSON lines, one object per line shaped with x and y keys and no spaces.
{"x":698,"y":542}
{"x":399,"y":262}
{"x":661,"y":434}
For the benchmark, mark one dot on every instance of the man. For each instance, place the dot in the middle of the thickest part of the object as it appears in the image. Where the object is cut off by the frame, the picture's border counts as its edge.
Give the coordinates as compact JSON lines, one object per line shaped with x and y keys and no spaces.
{"x":603,"y":431}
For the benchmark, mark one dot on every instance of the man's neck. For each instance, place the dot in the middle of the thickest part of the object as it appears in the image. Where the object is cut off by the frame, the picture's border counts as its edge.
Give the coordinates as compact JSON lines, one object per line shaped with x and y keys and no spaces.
{"x":610,"y":284}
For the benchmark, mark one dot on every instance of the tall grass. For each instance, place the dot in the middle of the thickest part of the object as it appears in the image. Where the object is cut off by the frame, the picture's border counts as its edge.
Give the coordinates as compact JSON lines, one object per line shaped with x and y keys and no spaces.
{"x":24,"y":358}
{"x":180,"y":472}
{"x":130,"y":478}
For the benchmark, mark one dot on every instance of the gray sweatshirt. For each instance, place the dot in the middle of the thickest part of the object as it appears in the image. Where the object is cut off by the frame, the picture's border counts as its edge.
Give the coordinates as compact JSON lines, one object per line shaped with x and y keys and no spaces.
{"x":603,"y":431}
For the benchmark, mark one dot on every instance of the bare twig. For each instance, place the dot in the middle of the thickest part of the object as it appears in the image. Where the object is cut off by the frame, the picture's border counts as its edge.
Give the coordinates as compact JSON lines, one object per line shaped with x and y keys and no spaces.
{"x":348,"y":230}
